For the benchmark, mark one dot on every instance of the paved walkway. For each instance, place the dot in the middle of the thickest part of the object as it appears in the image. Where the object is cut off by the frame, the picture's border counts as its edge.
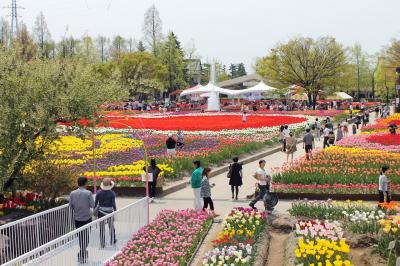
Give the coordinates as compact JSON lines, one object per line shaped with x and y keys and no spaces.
{"x":221,"y":193}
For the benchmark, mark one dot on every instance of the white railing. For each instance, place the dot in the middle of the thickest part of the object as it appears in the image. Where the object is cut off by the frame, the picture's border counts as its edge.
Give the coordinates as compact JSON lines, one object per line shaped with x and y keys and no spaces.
{"x":24,"y":235}
{"x":91,"y":244}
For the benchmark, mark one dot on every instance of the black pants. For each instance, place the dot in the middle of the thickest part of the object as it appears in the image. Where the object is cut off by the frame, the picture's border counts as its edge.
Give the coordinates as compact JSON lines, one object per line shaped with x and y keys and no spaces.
{"x":260,"y":196}
{"x":152,"y":189}
{"x":83,"y":240}
{"x":233,"y":188}
{"x":382,"y":196}
{"x":208,"y":200}
{"x":326,"y":142}
{"x":284,"y":145}
{"x":111,"y":229}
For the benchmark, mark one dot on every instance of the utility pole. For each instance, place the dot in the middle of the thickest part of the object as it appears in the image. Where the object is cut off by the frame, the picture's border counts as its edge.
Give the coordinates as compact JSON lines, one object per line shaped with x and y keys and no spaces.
{"x":397,"y":104}
{"x":14,"y":19}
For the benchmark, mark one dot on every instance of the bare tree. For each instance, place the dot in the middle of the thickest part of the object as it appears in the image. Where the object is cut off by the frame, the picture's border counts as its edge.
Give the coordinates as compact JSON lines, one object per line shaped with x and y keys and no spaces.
{"x":4,"y":32}
{"x":152,"y":28}
{"x":102,"y":45}
{"x":41,"y":35}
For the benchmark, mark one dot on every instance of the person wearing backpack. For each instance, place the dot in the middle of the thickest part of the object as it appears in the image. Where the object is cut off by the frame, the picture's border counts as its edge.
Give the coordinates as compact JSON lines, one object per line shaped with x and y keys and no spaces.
{"x":264,"y":183}
{"x":235,"y":175}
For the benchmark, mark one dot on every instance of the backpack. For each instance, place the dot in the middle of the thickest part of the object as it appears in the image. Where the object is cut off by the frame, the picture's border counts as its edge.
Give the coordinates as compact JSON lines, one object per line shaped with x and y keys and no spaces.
{"x":229,"y":174}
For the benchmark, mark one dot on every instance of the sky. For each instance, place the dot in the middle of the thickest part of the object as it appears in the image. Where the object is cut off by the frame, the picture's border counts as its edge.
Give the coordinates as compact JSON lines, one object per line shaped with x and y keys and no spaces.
{"x":230,"y":31}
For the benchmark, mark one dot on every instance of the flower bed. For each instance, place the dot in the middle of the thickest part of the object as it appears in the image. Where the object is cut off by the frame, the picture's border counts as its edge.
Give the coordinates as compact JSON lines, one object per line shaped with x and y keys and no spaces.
{"x":377,"y":141}
{"x":170,"y":239}
{"x":235,"y":244}
{"x":339,"y":170}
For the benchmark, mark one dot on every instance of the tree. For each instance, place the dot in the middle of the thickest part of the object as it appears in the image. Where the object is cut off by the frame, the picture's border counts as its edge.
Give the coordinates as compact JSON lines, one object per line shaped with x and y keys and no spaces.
{"x":4,"y":32}
{"x":140,"y":47}
{"x":232,"y":71}
{"x":220,"y":70}
{"x":102,"y":45}
{"x":87,"y":50}
{"x":172,"y":56}
{"x":118,"y":47}
{"x":131,"y":45}
{"x":24,"y":46}
{"x":142,"y":73}
{"x":304,"y":61}
{"x":34,"y":97}
{"x":152,"y":29}
{"x":241,"y":70}
{"x":41,"y":35}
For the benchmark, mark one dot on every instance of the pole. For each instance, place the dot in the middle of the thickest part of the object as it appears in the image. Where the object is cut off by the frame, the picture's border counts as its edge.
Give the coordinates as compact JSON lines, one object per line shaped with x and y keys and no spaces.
{"x":397,"y":102}
{"x":94,"y":162}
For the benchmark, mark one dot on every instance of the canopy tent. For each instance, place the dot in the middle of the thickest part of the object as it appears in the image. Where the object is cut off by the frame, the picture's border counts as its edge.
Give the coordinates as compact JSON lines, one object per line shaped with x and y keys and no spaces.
{"x":192,"y":90}
{"x":259,"y":88}
{"x":299,"y":97}
{"x":339,"y":96}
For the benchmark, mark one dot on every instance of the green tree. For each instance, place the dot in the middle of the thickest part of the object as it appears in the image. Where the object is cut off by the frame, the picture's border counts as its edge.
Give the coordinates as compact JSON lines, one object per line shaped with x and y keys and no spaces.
{"x":102,"y":46}
{"x":232,"y":71}
{"x":87,"y":50}
{"x":304,"y":61}
{"x":141,"y":73}
{"x":140,"y":47}
{"x":34,"y":97}
{"x":172,"y":56}
{"x":118,"y":47}
{"x":24,"y":46}
{"x":241,"y":70}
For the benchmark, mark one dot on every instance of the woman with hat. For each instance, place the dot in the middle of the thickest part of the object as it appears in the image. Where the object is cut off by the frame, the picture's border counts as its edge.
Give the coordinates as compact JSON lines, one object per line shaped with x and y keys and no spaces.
{"x":105,"y":204}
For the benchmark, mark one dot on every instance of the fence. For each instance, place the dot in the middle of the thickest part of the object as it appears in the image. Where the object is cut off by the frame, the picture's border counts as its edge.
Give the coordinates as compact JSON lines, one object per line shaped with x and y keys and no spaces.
{"x":93,"y":243}
{"x":24,"y":235}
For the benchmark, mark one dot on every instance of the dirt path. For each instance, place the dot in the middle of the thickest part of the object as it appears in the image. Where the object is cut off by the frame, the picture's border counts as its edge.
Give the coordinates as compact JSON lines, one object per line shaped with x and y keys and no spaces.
{"x":365,"y":256}
{"x":276,"y":252}
{"x":207,"y":244}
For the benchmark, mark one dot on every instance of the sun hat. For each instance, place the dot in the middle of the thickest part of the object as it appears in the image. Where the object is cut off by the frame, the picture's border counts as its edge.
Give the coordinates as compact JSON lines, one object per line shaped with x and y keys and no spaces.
{"x":169,"y":134}
{"x":107,"y":184}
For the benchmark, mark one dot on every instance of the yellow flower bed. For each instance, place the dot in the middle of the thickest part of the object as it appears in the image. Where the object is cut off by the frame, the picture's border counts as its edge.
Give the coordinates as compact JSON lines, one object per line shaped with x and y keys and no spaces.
{"x":322,"y":252}
{"x":134,"y":169}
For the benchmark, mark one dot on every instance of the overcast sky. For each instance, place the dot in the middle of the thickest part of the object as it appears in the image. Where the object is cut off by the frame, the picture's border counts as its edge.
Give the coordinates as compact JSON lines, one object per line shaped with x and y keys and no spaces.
{"x":228,"y":30}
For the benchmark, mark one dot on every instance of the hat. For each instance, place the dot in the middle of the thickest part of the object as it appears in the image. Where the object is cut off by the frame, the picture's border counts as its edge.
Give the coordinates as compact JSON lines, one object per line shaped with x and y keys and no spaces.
{"x":107,"y":184}
{"x":169,"y":134}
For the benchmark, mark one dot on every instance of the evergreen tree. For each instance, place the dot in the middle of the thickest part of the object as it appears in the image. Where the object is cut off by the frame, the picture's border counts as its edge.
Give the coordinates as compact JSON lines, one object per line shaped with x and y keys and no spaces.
{"x":232,"y":71}
{"x":241,"y":70}
{"x":141,"y":47}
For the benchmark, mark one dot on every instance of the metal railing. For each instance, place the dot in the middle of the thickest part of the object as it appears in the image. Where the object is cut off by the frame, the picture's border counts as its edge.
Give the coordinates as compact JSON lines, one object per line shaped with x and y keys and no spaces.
{"x":93,"y":243}
{"x":24,"y":235}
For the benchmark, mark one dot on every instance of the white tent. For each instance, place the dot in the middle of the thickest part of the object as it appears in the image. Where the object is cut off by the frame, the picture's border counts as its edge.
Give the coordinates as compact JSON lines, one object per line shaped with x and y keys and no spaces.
{"x":191,"y":90}
{"x":340,"y":96}
{"x":259,"y":88}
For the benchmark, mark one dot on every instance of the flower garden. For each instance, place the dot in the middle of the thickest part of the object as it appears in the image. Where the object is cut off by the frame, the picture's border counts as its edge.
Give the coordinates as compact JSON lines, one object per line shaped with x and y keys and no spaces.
{"x":350,"y":167}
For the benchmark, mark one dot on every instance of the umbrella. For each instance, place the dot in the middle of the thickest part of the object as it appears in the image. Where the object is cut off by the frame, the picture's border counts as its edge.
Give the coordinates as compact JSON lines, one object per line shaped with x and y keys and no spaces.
{"x":260,"y":88}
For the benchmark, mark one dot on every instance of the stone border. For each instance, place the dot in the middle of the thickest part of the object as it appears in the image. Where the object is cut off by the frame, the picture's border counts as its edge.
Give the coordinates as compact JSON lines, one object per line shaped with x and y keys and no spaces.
{"x":319,"y":196}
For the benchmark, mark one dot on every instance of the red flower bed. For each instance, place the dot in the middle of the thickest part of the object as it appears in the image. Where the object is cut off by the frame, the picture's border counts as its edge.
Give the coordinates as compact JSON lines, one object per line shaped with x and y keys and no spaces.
{"x":385,"y":139}
{"x":196,"y":123}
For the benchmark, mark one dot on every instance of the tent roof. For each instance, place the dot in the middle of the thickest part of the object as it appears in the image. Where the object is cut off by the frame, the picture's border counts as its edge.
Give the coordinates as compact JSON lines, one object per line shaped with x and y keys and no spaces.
{"x":260,"y":87}
{"x":340,"y":96}
{"x":190,"y":90}
{"x":208,"y":88}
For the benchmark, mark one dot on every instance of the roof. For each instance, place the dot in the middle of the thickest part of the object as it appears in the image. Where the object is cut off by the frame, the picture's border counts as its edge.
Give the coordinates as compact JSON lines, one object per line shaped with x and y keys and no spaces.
{"x":239,"y":80}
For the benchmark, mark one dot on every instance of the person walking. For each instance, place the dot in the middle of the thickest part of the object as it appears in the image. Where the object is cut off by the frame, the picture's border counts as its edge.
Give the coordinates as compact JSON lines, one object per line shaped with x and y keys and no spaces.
{"x":339,"y":133}
{"x":392,"y":128}
{"x":264,"y":183}
{"x":286,"y":133}
{"x":155,"y":171}
{"x":81,"y":202}
{"x":291,"y":147}
{"x":235,"y":177}
{"x":345,"y":128}
{"x":196,"y":184}
{"x":364,"y":119}
{"x":354,"y":129}
{"x":180,"y":142}
{"x":384,"y":186}
{"x":205,"y":191}
{"x":105,"y":204}
{"x":282,"y":137}
{"x":244,"y":117}
{"x":331,"y":138}
{"x":171,"y":145}
{"x":308,"y":143}
{"x":358,"y":120}
{"x":326,"y":137}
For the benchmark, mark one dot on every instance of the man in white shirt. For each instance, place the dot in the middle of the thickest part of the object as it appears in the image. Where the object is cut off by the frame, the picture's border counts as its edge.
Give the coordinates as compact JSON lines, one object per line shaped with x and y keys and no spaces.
{"x":384,"y":186}
{"x":264,"y":183}
{"x":326,"y":137}
{"x":285,"y":133}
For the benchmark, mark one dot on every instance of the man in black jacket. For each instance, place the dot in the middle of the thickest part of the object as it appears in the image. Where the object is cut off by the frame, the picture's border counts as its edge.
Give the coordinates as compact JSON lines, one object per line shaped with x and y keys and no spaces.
{"x":171,"y":144}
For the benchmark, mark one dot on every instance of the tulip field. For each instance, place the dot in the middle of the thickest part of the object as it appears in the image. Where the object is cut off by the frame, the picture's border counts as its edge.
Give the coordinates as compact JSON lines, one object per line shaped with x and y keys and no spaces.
{"x":321,"y":237}
{"x":350,"y":167}
{"x":120,"y":143}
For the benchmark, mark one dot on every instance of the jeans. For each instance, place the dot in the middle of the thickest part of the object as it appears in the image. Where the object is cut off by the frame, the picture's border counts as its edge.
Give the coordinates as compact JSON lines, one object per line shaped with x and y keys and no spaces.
{"x":197,"y":199}
{"x":83,"y":240}
{"x":208,"y":200}
{"x":111,"y":229}
{"x":152,"y":189}
{"x":260,"y":196}
{"x":326,"y":143}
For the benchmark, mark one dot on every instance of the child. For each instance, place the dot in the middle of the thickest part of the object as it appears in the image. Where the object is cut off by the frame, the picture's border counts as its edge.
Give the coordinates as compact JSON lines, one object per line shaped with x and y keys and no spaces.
{"x":345,"y":128}
{"x":384,"y":186}
{"x":205,"y":191}
{"x":244,"y":117}
{"x":354,"y":129}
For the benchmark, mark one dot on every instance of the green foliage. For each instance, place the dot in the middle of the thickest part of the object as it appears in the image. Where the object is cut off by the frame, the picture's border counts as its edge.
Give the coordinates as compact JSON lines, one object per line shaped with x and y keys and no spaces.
{"x":35,"y":96}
